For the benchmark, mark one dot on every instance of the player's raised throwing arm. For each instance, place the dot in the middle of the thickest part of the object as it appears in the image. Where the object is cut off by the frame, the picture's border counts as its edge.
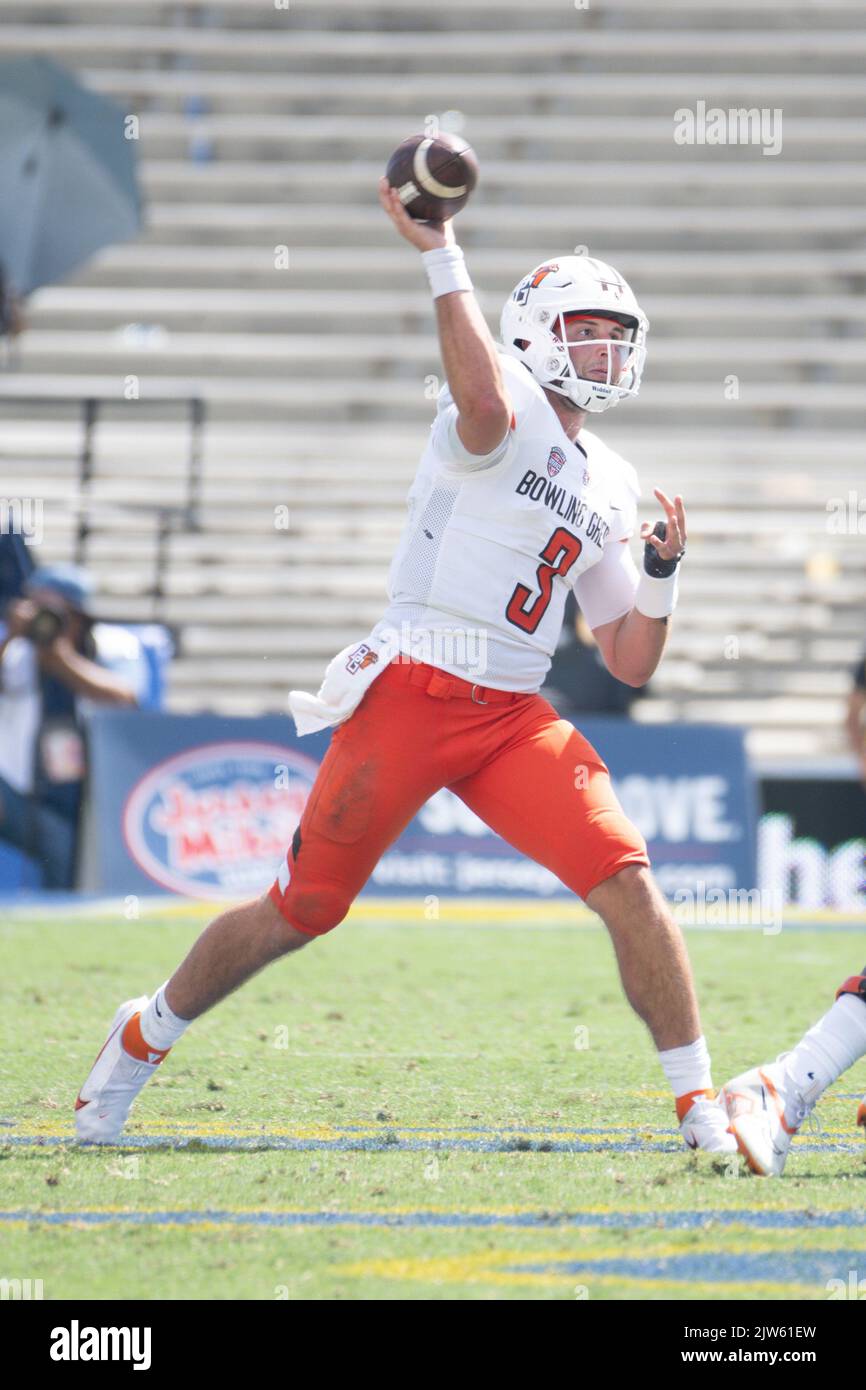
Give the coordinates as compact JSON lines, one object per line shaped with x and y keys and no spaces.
{"x":469,"y":354}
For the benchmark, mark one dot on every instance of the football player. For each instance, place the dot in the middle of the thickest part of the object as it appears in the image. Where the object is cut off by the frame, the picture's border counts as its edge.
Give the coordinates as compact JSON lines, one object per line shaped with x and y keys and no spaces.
{"x":514,"y":504}
{"x":768,"y":1104}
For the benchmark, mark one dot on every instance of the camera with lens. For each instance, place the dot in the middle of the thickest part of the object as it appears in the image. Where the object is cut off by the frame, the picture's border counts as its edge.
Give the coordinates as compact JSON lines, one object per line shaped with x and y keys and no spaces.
{"x":47,"y":625}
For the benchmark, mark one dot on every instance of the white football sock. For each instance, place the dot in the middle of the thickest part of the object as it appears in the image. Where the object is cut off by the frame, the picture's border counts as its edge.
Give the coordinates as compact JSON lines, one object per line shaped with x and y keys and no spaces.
{"x":828,"y":1049}
{"x":159,"y":1026}
{"x":688,"y":1068}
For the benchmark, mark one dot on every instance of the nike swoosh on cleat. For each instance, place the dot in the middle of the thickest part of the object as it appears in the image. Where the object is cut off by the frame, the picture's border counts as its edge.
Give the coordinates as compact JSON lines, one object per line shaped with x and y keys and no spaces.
{"x":692,"y":1143}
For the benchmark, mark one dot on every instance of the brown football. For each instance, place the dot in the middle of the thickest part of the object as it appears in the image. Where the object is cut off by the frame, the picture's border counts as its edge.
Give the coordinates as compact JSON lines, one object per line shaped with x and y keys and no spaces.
{"x":434,"y":175}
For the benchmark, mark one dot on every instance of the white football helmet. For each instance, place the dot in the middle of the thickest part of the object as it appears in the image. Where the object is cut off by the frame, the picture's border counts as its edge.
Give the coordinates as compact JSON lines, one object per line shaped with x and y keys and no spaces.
{"x":534,"y":330}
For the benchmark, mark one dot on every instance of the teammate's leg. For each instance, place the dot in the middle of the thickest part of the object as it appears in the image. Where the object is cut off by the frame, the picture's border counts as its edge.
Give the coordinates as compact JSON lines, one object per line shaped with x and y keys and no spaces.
{"x":768,"y":1104}
{"x":548,"y":793}
{"x":382,"y":765}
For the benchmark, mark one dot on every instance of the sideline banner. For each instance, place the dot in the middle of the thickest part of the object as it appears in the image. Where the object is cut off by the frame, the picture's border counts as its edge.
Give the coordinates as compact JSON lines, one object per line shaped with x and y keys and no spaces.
{"x":206,"y":806}
{"x":199,"y":804}
{"x":812,"y":842}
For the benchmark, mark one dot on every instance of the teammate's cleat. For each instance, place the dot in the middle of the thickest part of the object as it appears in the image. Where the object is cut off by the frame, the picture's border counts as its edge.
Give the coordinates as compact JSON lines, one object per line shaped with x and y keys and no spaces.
{"x":704,"y":1123}
{"x":125,"y":1063}
{"x":765,"y":1114}
{"x":861,"y":1115}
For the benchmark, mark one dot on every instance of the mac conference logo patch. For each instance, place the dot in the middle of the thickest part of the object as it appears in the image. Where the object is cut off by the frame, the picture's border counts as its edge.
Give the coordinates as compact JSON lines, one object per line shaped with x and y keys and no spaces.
{"x":555,"y":461}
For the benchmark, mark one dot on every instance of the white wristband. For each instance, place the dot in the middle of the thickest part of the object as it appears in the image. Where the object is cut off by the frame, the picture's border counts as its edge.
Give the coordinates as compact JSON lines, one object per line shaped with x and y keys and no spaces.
{"x":446,"y":270}
{"x":656,"y":598}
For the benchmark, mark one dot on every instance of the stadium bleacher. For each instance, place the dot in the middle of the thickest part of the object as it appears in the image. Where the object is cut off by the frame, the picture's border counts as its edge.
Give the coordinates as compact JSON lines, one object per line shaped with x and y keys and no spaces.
{"x":263,"y":127}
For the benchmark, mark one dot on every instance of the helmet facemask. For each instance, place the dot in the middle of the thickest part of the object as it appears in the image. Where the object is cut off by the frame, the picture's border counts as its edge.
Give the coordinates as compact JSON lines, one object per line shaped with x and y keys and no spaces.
{"x":541,"y":327}
{"x":611,"y":367}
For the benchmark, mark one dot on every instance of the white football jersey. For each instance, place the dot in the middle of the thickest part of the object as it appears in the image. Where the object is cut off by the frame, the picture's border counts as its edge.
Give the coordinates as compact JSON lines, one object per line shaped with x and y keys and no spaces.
{"x":492,"y":544}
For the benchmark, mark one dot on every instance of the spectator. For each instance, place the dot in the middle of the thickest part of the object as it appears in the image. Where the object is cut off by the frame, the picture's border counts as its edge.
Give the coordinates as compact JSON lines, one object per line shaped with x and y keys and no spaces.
{"x":16,"y":562}
{"x":854,"y":717}
{"x":578,"y":681}
{"x":53,"y":658}
{"x":12,"y":321}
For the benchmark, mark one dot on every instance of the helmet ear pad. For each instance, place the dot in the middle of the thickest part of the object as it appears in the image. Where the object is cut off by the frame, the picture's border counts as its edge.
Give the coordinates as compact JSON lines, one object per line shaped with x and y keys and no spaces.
{"x":545,"y":354}
{"x":549,"y":360}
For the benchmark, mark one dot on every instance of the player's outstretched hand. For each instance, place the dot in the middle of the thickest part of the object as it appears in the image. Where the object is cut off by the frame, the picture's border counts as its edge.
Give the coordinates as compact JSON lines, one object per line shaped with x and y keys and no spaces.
{"x":674,"y":542}
{"x":424,"y":236}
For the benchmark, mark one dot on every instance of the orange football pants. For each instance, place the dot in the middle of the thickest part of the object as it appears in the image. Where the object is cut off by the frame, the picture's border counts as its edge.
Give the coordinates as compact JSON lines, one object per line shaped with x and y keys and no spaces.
{"x":531,"y":776}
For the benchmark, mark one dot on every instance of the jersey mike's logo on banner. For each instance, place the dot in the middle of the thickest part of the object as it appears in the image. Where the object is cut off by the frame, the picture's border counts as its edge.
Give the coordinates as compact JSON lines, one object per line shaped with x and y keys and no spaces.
{"x":214,"y":822}
{"x":555,"y":461}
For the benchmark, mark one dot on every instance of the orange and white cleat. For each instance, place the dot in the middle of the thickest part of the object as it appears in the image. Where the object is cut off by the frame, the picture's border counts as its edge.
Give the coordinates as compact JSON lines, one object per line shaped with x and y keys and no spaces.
{"x":861,"y":1115}
{"x":765,"y":1114}
{"x":124,"y":1064}
{"x":704,"y":1123}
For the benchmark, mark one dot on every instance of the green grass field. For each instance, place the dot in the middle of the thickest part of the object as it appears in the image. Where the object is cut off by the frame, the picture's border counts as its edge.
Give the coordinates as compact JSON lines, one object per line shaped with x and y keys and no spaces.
{"x":401,"y":1111}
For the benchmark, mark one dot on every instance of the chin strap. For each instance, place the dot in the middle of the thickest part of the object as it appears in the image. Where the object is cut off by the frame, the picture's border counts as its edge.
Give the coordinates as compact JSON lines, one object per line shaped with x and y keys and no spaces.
{"x":856,"y":985}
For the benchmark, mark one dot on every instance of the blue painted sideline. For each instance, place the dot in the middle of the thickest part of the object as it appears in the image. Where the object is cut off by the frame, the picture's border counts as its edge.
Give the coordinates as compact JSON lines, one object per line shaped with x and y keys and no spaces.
{"x":377,"y":1144}
{"x":638,"y":1220}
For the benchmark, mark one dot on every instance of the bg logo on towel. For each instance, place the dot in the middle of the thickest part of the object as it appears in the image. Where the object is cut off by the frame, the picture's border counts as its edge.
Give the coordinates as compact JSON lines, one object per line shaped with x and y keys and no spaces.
{"x":360,"y":658}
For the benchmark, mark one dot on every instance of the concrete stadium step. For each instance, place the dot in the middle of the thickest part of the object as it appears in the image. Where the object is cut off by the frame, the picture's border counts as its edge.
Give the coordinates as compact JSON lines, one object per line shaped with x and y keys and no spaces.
{"x":410,"y":359}
{"x":147,"y":442}
{"x":831,"y":507}
{"x":266,"y":397}
{"x":391,"y":12}
{"x":599,"y":93}
{"x":86,"y":307}
{"x":789,"y":518}
{"x":202,"y":643}
{"x":411,"y":14}
{"x":329,"y":50}
{"x":227,"y":613}
{"x":179,"y":265}
{"x":767,"y":713}
{"x":749,"y":679}
{"x":170,"y":137}
{"x":675,"y":181}
{"x":825,"y":226}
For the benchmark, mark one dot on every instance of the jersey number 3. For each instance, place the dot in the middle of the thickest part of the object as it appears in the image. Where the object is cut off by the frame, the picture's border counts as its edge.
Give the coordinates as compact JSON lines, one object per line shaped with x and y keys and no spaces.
{"x":558,"y":556}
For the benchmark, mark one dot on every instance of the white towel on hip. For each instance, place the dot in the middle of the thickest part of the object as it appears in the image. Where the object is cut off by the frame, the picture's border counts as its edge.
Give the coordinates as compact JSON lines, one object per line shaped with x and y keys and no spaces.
{"x":347,"y":679}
